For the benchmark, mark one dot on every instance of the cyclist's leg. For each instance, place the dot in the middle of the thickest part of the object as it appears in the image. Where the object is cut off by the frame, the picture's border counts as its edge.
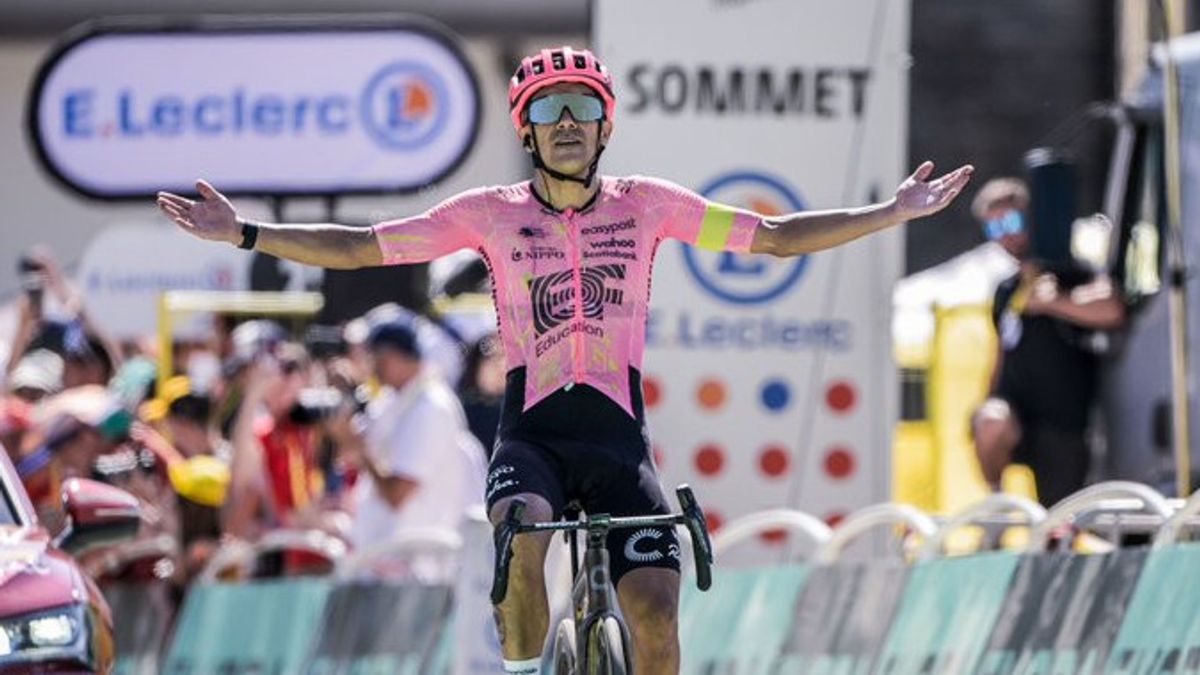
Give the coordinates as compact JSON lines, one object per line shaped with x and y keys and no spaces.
{"x":524,"y":617}
{"x":649,"y":598}
{"x":644,"y":562}
{"x":523,"y":470}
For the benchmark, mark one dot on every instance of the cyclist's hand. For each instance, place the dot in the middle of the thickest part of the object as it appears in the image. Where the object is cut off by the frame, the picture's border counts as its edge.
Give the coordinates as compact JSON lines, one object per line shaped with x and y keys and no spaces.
{"x":213,"y":218}
{"x":918,"y":196}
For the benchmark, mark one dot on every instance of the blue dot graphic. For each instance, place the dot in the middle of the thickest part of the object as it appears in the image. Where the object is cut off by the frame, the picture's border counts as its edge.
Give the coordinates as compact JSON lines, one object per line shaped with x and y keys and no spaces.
{"x":775,"y":395}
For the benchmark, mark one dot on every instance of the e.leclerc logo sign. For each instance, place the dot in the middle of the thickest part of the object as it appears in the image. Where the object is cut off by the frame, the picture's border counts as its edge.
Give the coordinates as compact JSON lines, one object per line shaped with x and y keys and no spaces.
{"x":124,"y":110}
{"x":744,"y":279}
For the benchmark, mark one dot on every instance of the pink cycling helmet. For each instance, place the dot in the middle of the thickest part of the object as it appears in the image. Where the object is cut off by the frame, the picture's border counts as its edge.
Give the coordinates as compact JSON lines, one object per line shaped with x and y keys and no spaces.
{"x":551,"y":66}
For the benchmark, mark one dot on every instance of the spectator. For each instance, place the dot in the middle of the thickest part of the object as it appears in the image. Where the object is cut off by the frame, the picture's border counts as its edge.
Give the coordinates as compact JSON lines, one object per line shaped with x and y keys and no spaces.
{"x":1044,"y":380}
{"x":275,"y":478}
{"x":52,"y":316}
{"x":16,"y":419}
{"x":77,"y":426}
{"x":482,"y":389}
{"x":87,"y":359}
{"x":197,"y":460}
{"x":419,"y":467}
{"x":37,"y":375}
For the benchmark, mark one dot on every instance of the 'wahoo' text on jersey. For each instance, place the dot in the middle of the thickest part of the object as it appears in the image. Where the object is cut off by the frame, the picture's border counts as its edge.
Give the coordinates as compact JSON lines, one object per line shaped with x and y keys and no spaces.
{"x":571,"y":288}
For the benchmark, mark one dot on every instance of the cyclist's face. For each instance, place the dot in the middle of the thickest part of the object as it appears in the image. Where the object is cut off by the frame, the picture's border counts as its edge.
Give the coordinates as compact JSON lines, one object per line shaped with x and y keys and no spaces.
{"x":568,"y":146}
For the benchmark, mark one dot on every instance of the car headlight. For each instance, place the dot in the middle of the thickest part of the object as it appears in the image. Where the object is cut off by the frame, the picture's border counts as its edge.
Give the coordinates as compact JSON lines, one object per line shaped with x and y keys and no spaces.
{"x":50,"y":630}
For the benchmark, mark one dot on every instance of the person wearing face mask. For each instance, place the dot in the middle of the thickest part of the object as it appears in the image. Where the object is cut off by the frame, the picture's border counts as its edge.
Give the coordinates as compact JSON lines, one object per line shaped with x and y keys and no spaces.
{"x":1044,"y":380}
{"x":570,"y":254}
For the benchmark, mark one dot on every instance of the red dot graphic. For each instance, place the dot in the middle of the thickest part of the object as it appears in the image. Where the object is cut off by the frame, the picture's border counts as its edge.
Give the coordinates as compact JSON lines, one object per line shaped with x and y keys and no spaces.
{"x":714,"y":520}
{"x":840,"y":396}
{"x":839,"y":463}
{"x":773,"y":461}
{"x":651,"y":392}
{"x":774,"y":537}
{"x":834,"y":517}
{"x":658,"y":455}
{"x":711,"y":394}
{"x":710,"y":459}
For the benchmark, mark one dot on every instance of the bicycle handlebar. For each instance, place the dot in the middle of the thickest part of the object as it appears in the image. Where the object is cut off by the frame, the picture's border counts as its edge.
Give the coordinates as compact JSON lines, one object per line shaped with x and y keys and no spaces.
{"x":702,"y":549}
{"x":691,"y":517}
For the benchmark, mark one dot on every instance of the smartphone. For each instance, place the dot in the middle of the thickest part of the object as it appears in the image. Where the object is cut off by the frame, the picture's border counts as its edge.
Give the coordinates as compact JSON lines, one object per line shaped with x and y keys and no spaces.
{"x":30,"y":272}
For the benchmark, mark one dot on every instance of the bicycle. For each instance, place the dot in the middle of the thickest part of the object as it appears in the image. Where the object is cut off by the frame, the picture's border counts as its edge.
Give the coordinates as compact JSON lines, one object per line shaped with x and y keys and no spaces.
{"x":594,"y":640}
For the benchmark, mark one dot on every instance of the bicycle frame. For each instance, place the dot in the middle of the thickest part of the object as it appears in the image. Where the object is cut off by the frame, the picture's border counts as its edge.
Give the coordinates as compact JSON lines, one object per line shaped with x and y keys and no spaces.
{"x":592,"y":598}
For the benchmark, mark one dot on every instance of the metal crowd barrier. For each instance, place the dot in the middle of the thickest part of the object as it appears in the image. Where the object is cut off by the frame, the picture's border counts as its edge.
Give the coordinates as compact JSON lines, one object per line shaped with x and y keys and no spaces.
{"x":1104,"y":609}
{"x":814,"y":532}
{"x":241,"y":555}
{"x":871,"y":518}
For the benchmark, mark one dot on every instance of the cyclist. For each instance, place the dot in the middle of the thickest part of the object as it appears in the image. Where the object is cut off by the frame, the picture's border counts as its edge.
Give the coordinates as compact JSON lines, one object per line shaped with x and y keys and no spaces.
{"x":570,"y":255}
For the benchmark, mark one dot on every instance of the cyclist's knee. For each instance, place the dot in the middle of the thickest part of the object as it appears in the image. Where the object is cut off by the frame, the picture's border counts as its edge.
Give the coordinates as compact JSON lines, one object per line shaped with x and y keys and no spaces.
{"x":649,"y":597}
{"x":536,"y":508}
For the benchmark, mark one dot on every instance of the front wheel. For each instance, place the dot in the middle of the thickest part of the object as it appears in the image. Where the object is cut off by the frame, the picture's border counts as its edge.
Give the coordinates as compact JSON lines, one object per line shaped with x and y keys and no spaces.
{"x":607,"y":649}
{"x":564,"y":648}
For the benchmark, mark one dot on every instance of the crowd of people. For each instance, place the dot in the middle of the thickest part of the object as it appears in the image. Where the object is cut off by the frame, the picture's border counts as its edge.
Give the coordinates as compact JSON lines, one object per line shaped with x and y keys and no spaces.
{"x":361,"y":431}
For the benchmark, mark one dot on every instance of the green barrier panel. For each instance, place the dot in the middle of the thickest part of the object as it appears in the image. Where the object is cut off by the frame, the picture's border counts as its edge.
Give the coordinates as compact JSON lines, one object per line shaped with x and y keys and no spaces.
{"x":263,"y":628}
{"x":381,"y":629}
{"x":1062,"y":613}
{"x":947,"y":614}
{"x":842,"y":617}
{"x":1161,"y":631}
{"x":142,"y":615}
{"x":739,"y":625}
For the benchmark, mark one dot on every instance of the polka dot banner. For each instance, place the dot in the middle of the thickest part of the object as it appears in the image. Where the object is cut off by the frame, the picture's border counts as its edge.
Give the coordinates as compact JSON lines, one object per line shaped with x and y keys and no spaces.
{"x":651,"y":392}
{"x":710,"y":460}
{"x":711,"y":395}
{"x":773,"y":461}
{"x":840,"y":463}
{"x":775,"y":395}
{"x":714,"y":520}
{"x":841,"y":397}
{"x":773,"y":537}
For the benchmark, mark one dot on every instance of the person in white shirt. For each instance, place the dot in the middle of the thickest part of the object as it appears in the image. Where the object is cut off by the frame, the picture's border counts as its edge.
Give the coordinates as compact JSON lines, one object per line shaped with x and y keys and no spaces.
{"x":419,"y":465}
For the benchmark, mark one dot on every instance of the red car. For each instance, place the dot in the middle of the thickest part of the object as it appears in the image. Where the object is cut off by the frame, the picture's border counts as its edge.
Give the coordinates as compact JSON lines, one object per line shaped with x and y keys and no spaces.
{"x":53,"y":619}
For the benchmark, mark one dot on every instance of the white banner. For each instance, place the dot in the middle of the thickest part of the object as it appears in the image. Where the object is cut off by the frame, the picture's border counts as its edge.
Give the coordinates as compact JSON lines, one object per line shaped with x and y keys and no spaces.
{"x":258,"y":109}
{"x":121,"y":284}
{"x":768,"y":382}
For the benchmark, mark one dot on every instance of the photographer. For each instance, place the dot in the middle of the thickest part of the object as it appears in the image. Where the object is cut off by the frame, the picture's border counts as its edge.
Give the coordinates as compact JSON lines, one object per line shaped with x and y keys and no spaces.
{"x":419,"y":466}
{"x":1045,"y":377}
{"x":51,"y":316}
{"x":275,"y":480}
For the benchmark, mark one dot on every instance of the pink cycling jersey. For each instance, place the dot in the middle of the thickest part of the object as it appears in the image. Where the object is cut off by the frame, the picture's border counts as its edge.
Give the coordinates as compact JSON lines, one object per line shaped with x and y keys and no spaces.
{"x":571,"y":288}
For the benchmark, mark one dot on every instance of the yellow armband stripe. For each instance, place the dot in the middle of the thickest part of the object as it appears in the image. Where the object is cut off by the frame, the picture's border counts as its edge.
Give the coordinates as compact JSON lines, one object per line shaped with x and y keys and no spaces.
{"x":715,"y":228}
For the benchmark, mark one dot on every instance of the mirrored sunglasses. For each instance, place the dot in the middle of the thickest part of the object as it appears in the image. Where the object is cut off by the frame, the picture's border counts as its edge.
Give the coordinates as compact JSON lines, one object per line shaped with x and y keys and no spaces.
{"x":1010,"y":223}
{"x":548,"y":109}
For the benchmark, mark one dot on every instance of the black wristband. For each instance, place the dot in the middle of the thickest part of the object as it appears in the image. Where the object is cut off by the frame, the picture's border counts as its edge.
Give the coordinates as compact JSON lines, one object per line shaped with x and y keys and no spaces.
{"x":249,"y":235}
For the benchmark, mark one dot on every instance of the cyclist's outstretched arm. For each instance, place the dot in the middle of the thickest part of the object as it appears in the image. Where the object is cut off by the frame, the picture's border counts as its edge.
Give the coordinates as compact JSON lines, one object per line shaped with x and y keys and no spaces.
{"x":417,"y":239}
{"x":810,"y":231}
{"x":214,"y":218}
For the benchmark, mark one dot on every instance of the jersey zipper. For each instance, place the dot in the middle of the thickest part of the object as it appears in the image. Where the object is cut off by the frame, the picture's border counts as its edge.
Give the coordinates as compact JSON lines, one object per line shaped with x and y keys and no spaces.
{"x":577,"y":281}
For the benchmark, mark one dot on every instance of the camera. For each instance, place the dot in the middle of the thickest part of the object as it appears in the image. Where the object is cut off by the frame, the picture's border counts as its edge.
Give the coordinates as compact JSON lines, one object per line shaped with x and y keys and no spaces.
{"x":318,"y":404}
{"x":30,"y":272}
